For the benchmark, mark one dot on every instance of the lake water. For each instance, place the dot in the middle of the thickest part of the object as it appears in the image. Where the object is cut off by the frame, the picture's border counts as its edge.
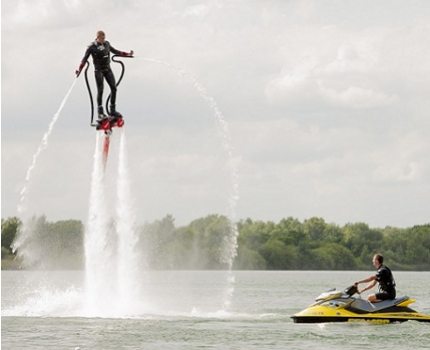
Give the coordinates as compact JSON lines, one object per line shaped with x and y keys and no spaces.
{"x":184,"y":310}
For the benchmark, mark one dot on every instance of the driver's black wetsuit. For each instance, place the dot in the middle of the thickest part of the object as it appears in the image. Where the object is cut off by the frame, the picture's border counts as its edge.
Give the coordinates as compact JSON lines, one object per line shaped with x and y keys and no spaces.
{"x":101,"y":60}
{"x":387,"y":285}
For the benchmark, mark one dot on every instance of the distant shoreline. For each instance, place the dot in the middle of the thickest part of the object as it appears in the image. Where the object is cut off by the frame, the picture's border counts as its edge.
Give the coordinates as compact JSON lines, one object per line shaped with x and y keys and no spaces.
{"x":13,"y":265}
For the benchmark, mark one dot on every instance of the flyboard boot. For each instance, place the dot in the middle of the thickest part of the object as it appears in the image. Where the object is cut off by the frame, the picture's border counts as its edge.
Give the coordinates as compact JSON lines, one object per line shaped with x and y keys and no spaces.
{"x":114,"y":114}
{"x":115,"y":118}
{"x":103,"y":122}
{"x":101,"y":114}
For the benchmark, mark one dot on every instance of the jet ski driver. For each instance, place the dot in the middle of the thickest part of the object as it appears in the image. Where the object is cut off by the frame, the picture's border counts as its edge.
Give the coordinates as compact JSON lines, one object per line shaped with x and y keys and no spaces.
{"x":387,"y":290}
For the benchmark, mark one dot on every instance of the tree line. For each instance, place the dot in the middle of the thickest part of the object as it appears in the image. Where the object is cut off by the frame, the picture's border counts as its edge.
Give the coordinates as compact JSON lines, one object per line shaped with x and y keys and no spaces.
{"x":290,"y":244}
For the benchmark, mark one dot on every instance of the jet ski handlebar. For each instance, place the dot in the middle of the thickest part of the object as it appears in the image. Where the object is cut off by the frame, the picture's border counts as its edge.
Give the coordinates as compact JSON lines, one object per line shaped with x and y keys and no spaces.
{"x":351,"y":290}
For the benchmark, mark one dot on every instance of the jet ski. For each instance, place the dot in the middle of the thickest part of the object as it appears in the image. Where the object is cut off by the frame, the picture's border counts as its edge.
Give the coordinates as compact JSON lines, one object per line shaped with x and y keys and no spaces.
{"x":342,"y":306}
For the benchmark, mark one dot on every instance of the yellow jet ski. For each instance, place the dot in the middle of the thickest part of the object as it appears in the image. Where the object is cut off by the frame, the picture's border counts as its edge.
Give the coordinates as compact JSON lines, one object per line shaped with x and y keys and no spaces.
{"x":341,"y":306}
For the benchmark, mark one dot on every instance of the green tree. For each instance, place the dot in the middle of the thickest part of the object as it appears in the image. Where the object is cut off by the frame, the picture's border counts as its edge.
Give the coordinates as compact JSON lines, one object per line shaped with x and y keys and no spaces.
{"x":155,"y":240}
{"x":9,"y":229}
{"x":418,"y":247}
{"x":47,"y":245}
{"x":248,"y":259}
{"x":183,"y":249}
{"x":321,"y":259}
{"x":315,"y":228}
{"x":211,"y":233}
{"x":359,"y":235}
{"x":342,"y":257}
{"x":395,"y":244}
{"x":334,"y":234}
{"x":254,"y":234}
{"x":293,"y":231}
{"x":5,"y":253}
{"x":278,"y":255}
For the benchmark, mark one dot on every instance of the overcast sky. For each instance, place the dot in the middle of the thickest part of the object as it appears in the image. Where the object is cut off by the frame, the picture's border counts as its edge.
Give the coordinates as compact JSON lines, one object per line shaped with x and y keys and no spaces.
{"x":327,"y":104}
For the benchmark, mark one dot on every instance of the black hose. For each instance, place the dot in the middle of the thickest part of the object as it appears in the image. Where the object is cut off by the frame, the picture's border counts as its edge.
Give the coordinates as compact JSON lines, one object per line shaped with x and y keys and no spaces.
{"x":90,"y":94}
{"x":89,"y":87}
{"x":120,"y":77}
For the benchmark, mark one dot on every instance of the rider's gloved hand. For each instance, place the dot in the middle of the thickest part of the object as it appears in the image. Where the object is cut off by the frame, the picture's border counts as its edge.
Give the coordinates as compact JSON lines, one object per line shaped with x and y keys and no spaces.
{"x":79,"y":70}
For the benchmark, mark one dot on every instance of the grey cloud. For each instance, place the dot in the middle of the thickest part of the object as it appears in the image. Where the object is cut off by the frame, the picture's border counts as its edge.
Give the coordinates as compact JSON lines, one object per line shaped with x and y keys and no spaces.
{"x":327,"y":105}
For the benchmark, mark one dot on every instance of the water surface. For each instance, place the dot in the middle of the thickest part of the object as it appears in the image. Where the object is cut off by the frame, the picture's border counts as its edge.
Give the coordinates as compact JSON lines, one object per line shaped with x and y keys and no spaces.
{"x":184,"y":310}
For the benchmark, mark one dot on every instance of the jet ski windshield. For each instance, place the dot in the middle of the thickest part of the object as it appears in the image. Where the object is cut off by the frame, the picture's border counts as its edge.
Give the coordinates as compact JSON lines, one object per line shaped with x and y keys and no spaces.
{"x":329,"y":294}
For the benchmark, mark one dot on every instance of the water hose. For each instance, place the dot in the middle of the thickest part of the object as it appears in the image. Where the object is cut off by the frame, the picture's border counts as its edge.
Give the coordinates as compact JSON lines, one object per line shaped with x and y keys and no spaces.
{"x":89,"y":88}
{"x":120,"y":77}
{"x":90,"y":94}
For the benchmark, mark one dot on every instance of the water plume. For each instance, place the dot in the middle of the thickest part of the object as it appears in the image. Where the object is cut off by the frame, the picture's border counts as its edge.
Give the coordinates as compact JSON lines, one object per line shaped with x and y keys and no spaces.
{"x":129,"y":262}
{"x":113,"y":263}
{"x":99,"y":254}
{"x":229,"y":249}
{"x":22,"y":244}
{"x":22,"y":206}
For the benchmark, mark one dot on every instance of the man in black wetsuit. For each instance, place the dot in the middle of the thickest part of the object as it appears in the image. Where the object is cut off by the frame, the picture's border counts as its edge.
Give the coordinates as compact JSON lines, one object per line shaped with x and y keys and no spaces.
{"x":387,"y":285}
{"x":100,"y":50}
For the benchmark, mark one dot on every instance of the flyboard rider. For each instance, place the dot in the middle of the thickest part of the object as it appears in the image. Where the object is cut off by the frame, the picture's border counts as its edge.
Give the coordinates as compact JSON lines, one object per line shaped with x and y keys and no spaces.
{"x":100,"y":50}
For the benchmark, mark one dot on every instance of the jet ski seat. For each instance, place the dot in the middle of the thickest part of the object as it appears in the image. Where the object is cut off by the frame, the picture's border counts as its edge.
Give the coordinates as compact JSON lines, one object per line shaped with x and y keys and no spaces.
{"x":364,"y":306}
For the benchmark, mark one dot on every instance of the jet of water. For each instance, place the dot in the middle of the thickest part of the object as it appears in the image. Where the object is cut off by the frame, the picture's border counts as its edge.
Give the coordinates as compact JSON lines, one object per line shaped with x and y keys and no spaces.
{"x":229,"y":249}
{"x":99,"y":253}
{"x":43,"y":145}
{"x":113,"y":264}
{"x":128,"y":256}
{"x":25,"y":231}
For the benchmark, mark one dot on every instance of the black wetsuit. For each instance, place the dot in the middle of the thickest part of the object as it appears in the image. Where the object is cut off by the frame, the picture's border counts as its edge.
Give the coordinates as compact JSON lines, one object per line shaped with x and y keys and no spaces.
{"x":101,"y":60}
{"x":387,"y":284}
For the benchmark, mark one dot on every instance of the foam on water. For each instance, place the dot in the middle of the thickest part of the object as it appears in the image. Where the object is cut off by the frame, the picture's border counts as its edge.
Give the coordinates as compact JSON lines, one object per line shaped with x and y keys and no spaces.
{"x":51,"y":301}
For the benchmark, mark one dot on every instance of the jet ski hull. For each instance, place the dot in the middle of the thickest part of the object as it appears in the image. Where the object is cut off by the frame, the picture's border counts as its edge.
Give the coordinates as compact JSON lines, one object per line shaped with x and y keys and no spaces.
{"x":326,"y":317}
{"x":333,"y":306}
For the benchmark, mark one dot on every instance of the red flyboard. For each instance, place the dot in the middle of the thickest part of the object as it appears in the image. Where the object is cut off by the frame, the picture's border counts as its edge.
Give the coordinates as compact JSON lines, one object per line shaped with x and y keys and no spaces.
{"x":107,"y":124}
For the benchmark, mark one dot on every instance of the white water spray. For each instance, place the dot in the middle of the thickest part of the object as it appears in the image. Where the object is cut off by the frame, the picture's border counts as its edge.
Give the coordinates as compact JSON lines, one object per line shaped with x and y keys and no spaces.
{"x":25,"y":232}
{"x":229,"y":250}
{"x":99,"y":255}
{"x":22,"y":206}
{"x":128,"y":257}
{"x":112,"y":260}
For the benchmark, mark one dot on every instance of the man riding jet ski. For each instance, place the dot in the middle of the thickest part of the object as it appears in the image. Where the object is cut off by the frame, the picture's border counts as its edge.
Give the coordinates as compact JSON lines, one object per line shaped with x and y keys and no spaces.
{"x":382,"y":307}
{"x":341,"y":306}
{"x":387,"y":285}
